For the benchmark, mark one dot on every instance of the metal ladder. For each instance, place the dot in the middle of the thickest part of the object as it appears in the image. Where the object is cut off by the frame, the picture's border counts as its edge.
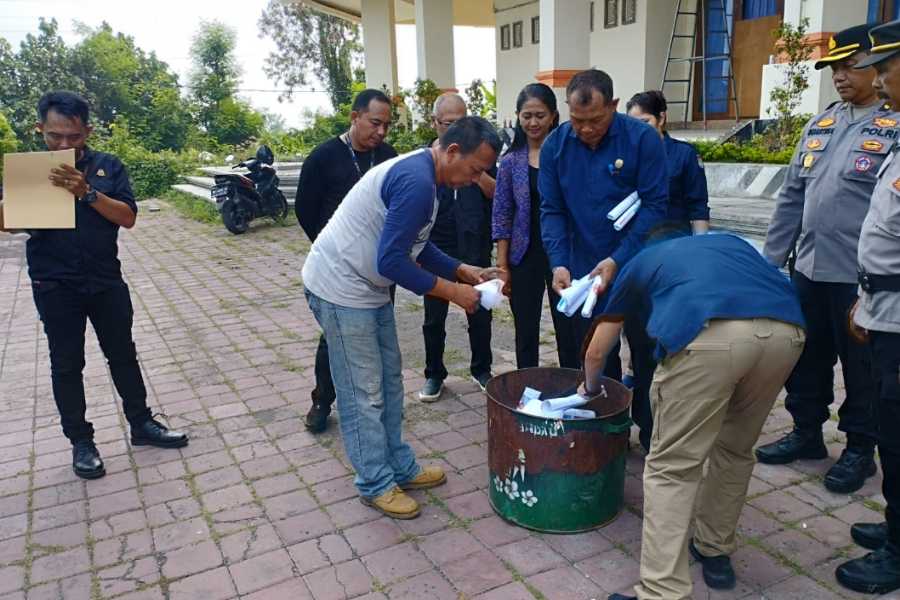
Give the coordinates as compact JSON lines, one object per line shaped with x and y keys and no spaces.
{"x":697,"y":28}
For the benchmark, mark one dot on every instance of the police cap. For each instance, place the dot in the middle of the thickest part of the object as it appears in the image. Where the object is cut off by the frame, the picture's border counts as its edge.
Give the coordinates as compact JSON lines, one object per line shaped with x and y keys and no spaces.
{"x":844,"y":44}
{"x":885,"y":44}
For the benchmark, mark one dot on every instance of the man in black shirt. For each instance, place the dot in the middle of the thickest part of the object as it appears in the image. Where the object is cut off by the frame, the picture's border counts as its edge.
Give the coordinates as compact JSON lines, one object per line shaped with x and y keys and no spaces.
{"x":328,"y":173}
{"x":76,"y":276}
{"x":462,"y":230}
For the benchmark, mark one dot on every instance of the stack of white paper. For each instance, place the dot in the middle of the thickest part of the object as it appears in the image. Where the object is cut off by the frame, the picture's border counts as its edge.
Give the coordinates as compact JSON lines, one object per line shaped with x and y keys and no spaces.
{"x":554,"y":408}
{"x":582,"y":291}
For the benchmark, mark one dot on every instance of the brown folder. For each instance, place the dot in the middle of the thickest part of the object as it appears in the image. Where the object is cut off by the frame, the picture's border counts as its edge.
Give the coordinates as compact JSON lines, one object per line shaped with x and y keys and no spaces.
{"x":30,"y":200}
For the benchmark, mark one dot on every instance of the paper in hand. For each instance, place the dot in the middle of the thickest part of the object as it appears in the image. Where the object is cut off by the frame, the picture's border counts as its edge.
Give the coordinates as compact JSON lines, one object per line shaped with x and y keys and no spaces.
{"x":491,"y":294}
{"x":30,"y":200}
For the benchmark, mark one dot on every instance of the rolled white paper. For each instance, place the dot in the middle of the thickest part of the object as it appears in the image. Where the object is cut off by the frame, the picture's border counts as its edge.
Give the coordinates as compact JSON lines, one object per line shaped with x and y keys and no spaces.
{"x":588,"y":309}
{"x":579,"y":413}
{"x":622,"y":221}
{"x":623,"y":206}
{"x":574,"y":296}
{"x":573,"y":401}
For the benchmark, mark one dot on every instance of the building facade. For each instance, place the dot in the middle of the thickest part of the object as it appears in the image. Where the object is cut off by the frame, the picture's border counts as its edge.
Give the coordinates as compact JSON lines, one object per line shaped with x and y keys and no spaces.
{"x":640,"y":43}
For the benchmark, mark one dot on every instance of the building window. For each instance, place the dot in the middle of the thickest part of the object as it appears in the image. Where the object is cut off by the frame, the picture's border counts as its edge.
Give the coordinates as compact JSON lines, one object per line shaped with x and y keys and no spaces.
{"x":629,"y":12}
{"x":504,"y":37}
{"x":592,"y":16}
{"x":535,"y":30}
{"x":517,"y":34}
{"x":611,"y":14}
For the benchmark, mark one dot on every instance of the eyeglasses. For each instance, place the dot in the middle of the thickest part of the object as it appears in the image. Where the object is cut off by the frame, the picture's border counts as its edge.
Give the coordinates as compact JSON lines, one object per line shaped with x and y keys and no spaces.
{"x":443,"y":123}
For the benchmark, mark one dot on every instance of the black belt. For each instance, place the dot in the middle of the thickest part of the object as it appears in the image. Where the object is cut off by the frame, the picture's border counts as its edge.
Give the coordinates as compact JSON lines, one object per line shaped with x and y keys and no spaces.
{"x":872,"y":283}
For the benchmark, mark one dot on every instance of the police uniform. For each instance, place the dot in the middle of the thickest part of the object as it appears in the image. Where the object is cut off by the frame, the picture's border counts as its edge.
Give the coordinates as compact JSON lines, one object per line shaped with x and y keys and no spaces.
{"x":819,"y":212}
{"x":878,"y":311}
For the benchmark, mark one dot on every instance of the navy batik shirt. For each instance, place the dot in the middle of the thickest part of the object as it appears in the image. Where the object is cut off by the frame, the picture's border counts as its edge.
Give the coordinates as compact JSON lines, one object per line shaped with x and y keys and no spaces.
{"x":579,"y":186}
{"x":87,"y":257}
{"x":688,"y":194}
{"x":674,"y":287}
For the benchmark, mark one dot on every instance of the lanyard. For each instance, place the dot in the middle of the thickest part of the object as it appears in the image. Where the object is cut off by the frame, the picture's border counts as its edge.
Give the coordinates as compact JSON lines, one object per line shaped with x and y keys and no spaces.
{"x":346,"y":138}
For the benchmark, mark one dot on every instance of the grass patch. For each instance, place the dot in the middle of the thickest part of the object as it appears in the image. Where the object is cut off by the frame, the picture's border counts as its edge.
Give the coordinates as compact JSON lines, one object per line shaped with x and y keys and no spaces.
{"x":192,"y":207}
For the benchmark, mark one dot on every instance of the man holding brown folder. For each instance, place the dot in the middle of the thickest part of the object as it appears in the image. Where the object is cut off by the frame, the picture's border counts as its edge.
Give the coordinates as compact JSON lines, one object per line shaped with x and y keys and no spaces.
{"x":76,"y":275}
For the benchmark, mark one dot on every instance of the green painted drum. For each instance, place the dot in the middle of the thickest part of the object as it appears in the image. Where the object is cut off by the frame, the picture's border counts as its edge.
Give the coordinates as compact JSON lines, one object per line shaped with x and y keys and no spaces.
{"x":556,"y":475}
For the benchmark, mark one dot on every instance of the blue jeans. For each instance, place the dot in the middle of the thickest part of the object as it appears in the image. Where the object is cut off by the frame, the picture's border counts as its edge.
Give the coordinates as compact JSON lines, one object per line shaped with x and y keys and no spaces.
{"x":366,"y":369}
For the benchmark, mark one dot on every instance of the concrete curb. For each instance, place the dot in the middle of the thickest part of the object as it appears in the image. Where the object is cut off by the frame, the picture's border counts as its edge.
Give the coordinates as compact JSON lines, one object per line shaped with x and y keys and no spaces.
{"x":745,"y":179}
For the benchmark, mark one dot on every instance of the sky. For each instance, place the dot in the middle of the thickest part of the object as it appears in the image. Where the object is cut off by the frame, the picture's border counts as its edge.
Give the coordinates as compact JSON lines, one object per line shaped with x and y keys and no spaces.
{"x":167,"y":26}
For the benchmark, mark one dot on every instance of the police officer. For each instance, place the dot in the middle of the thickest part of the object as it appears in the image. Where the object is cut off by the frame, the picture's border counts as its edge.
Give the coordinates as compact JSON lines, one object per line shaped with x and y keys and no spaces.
{"x":821,"y":209}
{"x":461,"y":230}
{"x":588,"y":166}
{"x":76,"y":276}
{"x":878,"y":314}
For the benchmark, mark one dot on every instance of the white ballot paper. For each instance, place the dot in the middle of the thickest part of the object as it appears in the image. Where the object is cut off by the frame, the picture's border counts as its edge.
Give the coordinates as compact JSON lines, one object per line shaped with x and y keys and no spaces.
{"x":30,"y":201}
{"x":491,"y":295}
{"x":622,"y":207}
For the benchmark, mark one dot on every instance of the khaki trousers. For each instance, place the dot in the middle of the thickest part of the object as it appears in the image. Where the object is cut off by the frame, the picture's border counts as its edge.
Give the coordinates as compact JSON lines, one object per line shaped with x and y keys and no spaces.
{"x":709,"y":401}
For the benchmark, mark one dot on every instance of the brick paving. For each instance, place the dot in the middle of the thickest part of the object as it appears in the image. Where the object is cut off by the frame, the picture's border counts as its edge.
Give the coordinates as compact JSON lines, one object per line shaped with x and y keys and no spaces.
{"x":257,"y":508}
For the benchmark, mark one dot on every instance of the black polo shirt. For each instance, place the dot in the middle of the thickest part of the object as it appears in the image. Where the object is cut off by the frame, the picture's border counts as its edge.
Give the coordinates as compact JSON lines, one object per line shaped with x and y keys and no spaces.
{"x":85,"y":257}
{"x":327,"y":174}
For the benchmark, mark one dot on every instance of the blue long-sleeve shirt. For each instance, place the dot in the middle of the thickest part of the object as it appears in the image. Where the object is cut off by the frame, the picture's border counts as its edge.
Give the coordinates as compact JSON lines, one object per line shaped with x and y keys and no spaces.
{"x":579,"y":186}
{"x":673,"y":288}
{"x":408,"y":193}
{"x":688,"y":192}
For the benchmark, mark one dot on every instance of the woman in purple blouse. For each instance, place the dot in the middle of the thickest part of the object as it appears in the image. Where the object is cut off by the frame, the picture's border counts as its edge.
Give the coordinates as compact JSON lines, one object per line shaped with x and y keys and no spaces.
{"x":517,"y":230}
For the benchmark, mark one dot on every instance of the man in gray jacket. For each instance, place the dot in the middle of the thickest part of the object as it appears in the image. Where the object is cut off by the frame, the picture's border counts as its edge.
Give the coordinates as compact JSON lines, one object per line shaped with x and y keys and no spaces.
{"x":820,"y":210}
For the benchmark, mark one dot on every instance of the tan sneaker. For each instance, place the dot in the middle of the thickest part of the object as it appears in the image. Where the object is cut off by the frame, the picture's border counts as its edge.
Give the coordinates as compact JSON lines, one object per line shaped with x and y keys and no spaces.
{"x":394,"y":503}
{"x":428,"y":477}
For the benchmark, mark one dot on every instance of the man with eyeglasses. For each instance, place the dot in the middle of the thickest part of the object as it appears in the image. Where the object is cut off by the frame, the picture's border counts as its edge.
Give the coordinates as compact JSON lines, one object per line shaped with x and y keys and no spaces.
{"x":328,"y":173}
{"x":588,"y":166}
{"x":462,"y":230}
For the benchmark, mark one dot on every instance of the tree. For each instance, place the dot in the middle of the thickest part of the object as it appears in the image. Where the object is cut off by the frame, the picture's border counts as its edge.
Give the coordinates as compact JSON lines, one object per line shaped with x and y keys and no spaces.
{"x":122,"y":80}
{"x":786,"y":98}
{"x":310,"y":43}
{"x":215,"y":74}
{"x":8,"y":142}
{"x":43,"y":63}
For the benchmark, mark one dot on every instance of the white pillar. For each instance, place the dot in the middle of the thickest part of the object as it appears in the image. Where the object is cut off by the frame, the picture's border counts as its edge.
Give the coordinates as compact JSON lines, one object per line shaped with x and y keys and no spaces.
{"x":380,"y":44}
{"x":565,"y":45}
{"x":434,"y":42}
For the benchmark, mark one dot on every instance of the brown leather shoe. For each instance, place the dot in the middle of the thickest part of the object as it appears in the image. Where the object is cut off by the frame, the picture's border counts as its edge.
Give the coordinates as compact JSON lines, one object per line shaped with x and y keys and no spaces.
{"x":394,"y":503}
{"x":428,"y":477}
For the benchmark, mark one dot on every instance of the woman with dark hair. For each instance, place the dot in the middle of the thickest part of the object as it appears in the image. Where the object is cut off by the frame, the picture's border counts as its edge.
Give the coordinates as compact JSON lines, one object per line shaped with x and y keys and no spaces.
{"x":517,"y":230}
{"x":688,"y":196}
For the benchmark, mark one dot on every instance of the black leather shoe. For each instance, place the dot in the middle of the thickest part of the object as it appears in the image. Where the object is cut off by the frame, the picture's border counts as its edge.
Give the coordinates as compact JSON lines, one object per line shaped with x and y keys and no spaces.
{"x":86,"y":460}
{"x":871,"y":536}
{"x":875,"y":573}
{"x":795,"y":445}
{"x":851,"y":470}
{"x":154,"y":433}
{"x":717,"y":570}
{"x":317,"y":418}
{"x":622,"y":597}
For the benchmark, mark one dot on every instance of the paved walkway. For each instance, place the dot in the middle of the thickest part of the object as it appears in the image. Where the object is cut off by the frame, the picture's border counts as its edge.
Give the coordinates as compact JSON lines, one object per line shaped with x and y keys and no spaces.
{"x":257,"y":508}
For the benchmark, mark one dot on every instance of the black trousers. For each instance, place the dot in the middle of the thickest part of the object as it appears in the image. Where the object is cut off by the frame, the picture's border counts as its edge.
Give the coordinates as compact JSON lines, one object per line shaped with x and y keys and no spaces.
{"x":323,"y":395}
{"x":810,"y":387}
{"x":64,"y":312}
{"x":886,"y":350}
{"x":435,"y":333}
{"x":529,"y":279}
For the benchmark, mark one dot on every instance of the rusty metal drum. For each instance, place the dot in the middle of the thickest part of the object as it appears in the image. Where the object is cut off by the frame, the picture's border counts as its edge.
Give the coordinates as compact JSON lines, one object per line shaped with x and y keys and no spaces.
{"x":556,"y":475}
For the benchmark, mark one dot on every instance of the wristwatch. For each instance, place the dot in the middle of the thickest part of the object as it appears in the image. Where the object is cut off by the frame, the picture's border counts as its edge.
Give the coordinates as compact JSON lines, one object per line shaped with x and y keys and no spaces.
{"x":90,"y":197}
